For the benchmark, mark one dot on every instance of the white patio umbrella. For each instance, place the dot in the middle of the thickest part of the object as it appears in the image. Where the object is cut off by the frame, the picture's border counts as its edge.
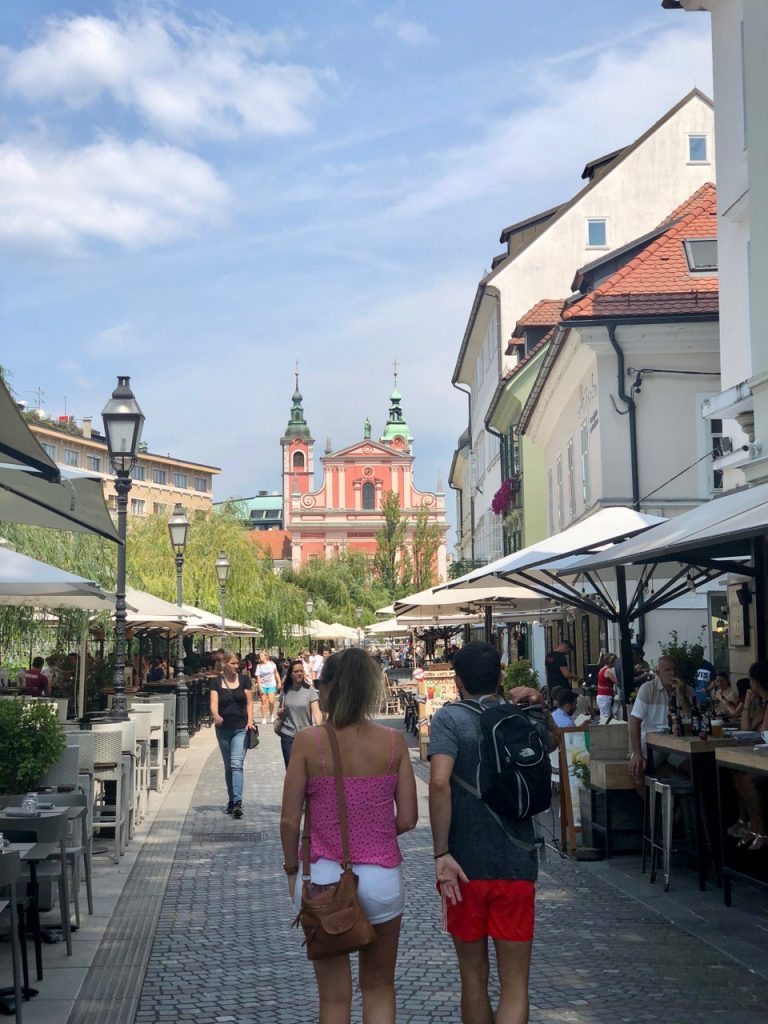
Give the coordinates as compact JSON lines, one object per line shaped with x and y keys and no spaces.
{"x":25,"y":581}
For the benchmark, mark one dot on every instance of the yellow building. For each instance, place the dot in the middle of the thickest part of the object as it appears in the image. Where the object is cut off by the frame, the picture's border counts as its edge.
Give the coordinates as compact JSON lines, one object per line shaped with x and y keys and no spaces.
{"x":159,"y":481}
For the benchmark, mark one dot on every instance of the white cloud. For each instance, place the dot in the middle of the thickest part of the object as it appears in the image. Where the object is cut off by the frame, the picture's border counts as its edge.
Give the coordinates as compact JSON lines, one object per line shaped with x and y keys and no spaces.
{"x":567,"y":117}
{"x":202,"y":79}
{"x":412,"y":33}
{"x":134,"y":195}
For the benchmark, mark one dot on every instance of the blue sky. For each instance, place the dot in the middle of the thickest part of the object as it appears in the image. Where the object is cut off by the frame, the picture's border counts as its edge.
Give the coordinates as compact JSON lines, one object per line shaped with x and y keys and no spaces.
{"x":200,"y":194}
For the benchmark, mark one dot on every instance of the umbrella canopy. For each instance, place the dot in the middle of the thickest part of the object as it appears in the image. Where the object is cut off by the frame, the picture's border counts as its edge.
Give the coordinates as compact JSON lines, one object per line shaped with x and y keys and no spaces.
{"x":436,"y":602}
{"x":18,"y":445}
{"x":73,"y":502}
{"x":388,"y":627}
{"x":25,"y":581}
{"x":315,"y":628}
{"x":342,"y":632}
{"x":145,"y":611}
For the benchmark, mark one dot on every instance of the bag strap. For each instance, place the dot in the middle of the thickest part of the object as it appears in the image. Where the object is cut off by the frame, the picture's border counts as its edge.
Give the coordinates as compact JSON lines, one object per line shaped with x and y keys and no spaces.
{"x":342,"y":808}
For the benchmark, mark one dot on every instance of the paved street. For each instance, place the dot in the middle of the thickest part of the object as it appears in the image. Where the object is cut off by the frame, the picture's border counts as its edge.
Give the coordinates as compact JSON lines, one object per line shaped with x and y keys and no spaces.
{"x":224,"y":950}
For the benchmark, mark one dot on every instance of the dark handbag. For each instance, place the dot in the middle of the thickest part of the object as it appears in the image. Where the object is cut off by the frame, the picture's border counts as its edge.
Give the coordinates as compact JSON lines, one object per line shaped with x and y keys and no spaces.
{"x":252,"y":738}
{"x":334,"y":921}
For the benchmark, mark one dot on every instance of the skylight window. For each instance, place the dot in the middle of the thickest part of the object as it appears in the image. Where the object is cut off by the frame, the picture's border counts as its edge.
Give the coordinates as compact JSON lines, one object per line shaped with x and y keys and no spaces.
{"x":701,"y":254}
{"x":597,"y":233}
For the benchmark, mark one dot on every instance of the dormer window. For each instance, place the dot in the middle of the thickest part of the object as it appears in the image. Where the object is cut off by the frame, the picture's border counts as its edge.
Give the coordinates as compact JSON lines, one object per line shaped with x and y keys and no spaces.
{"x":698,"y":151}
{"x":701,"y":254}
{"x":597,"y":233}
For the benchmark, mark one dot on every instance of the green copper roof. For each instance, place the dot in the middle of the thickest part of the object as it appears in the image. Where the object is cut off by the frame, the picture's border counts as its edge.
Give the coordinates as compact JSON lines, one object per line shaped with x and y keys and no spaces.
{"x":396,"y":425}
{"x":297,"y":425}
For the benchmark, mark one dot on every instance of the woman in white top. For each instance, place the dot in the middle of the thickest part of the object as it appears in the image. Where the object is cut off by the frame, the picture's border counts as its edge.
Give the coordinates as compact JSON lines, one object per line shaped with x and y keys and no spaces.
{"x":267,"y":680}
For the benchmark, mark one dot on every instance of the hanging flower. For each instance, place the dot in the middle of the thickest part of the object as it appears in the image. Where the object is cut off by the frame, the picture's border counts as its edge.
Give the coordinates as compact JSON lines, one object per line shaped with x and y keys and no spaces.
{"x":505,"y":498}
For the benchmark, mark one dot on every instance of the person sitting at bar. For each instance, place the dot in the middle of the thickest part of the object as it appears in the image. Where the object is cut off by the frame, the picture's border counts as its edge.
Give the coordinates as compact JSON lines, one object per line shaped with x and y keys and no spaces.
{"x":566,"y":705}
{"x":742,"y":689}
{"x":751,"y":829}
{"x":650,"y":713}
{"x":720,"y":695}
{"x":156,"y":673}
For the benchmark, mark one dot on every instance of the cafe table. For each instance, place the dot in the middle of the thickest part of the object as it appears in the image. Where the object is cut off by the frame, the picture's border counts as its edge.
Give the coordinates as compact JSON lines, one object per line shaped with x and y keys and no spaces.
{"x":703,"y":773}
{"x":738,"y":862}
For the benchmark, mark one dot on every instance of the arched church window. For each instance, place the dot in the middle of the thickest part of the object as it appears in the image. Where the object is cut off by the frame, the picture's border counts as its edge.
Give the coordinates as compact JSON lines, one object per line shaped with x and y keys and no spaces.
{"x":298,"y":460}
{"x":369,"y":496}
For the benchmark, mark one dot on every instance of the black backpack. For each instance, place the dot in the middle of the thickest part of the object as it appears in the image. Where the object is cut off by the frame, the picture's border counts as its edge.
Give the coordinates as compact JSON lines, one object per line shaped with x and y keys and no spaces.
{"x":514,"y":773}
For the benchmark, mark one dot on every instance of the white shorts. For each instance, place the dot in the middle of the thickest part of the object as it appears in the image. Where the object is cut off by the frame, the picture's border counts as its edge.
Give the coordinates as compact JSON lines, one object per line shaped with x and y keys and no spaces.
{"x":380,"y":889}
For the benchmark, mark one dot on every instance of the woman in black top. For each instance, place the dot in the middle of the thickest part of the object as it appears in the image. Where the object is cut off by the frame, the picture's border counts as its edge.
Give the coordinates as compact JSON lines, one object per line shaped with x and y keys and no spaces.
{"x":232,"y":711}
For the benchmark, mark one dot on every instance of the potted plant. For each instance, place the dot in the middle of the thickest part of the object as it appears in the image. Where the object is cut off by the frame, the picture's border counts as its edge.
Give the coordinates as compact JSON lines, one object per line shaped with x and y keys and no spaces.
{"x":504,"y":499}
{"x":31,"y":741}
{"x":520,"y":673}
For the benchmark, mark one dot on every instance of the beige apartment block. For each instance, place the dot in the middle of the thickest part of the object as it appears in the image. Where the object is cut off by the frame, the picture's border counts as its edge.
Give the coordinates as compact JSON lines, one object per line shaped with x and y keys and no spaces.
{"x":159,"y":481}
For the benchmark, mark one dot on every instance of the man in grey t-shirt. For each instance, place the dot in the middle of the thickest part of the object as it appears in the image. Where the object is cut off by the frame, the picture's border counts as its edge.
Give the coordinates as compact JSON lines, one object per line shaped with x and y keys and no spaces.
{"x":485,"y":867}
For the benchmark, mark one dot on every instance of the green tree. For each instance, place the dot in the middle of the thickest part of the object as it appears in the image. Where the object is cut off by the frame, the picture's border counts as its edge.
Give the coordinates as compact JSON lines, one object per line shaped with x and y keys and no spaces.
{"x":426,"y":542}
{"x":389,"y":544}
{"x":339,"y":585}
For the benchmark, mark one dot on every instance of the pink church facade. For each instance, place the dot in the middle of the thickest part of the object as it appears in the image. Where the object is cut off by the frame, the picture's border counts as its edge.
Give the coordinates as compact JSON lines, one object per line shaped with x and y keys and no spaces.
{"x":344,"y":513}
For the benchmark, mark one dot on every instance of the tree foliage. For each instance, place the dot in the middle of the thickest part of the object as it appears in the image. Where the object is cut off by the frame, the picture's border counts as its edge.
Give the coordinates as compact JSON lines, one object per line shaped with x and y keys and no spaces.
{"x":426,"y":543}
{"x":339,"y":585}
{"x":389,"y":544}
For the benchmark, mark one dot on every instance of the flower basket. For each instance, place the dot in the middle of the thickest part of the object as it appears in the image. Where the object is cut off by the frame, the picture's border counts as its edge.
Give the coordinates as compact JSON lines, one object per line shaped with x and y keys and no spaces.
{"x":506,"y":497}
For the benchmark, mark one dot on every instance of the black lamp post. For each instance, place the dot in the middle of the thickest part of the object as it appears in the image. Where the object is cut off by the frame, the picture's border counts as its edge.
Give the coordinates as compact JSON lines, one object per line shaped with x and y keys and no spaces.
{"x":178,"y":531}
{"x":123,"y":423}
{"x":222,"y":574}
{"x":309,"y":605}
{"x":358,"y":616}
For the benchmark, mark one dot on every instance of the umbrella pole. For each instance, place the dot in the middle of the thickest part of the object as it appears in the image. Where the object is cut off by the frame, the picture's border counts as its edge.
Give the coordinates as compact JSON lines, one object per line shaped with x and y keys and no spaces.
{"x":79,"y":684}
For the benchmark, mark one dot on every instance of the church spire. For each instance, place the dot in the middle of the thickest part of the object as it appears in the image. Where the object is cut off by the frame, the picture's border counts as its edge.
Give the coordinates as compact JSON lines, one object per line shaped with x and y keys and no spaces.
{"x":297,"y":425}
{"x":396,"y":425}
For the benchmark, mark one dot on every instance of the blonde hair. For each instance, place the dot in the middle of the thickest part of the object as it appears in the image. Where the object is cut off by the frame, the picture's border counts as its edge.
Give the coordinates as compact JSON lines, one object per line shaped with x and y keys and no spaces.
{"x":610,"y":659}
{"x":354,"y":682}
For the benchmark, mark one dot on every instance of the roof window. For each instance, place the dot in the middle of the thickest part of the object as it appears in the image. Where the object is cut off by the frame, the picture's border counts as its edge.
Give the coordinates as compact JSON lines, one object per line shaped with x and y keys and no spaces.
{"x":701,"y":254}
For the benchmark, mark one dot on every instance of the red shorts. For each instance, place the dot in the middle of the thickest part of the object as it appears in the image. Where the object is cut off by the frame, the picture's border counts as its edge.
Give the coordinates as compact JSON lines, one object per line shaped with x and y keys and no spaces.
{"x":501,"y":909}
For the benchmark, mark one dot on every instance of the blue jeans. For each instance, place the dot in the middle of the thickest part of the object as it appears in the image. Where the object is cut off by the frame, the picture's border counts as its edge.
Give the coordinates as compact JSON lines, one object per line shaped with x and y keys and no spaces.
{"x":286,"y":742}
{"x":232,"y":747}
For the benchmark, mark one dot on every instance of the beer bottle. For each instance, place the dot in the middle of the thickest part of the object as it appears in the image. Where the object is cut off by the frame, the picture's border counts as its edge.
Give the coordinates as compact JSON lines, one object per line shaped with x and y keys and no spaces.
{"x":695,"y":718}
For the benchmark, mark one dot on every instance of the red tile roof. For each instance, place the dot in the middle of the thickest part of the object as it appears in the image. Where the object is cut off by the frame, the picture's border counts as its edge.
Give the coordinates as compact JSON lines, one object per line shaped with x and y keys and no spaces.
{"x":274,"y":543}
{"x":545,"y":313}
{"x":658,"y":282}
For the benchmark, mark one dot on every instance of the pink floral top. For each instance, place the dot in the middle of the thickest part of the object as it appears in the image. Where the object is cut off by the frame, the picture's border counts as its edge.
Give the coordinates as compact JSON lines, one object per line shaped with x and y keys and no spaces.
{"x":370,"y":813}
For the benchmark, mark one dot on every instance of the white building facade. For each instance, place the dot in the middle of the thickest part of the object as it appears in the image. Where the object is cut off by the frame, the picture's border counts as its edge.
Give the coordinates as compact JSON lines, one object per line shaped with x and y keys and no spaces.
{"x":628,"y":193}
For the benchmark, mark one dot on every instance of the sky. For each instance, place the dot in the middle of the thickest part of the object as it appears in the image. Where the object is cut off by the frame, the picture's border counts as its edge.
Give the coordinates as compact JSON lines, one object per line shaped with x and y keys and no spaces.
{"x":199,"y":195}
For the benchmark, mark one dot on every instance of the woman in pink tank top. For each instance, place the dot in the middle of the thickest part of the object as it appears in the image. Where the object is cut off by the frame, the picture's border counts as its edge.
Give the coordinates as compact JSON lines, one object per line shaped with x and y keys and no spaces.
{"x":380,"y":795}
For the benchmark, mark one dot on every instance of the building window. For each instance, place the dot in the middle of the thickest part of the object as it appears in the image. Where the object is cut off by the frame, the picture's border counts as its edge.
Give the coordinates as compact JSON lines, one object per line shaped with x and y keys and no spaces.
{"x":550,"y":502}
{"x":369,"y":496}
{"x":701,"y":254}
{"x":159,"y":507}
{"x":180,"y":480}
{"x":298,"y":460}
{"x":160,"y":476}
{"x":510,"y":455}
{"x":716,"y":435}
{"x":49,"y":449}
{"x":200,"y":483}
{"x":571,"y":481}
{"x":597,"y":233}
{"x":138,"y":473}
{"x":697,"y":149}
{"x":112,"y":502}
{"x":93,"y":462}
{"x":559,"y":482}
{"x":585,"y":492}
{"x":71,"y":457}
{"x":137,"y":506}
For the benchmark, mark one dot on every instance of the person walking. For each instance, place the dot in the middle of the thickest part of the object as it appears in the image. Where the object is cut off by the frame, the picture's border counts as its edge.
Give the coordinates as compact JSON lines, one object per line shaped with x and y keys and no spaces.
{"x":231,"y":700}
{"x":267,"y":683}
{"x":380,"y":795}
{"x":485,"y":866}
{"x":298,"y":706}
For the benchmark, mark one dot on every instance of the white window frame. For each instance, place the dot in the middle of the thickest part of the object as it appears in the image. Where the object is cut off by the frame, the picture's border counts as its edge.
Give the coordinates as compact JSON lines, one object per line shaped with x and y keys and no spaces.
{"x":72,"y":458}
{"x":550,"y":501}
{"x":178,"y":476}
{"x":705,"y":137}
{"x":559,"y":496}
{"x":138,"y":506}
{"x":49,"y":449}
{"x":585,"y":474}
{"x":157,"y":472}
{"x":604,"y":222}
{"x":571,"y":479}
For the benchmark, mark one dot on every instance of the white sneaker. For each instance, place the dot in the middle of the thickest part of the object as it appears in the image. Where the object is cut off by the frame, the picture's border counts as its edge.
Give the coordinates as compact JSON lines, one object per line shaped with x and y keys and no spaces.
{"x":263,"y":721}
{"x":269,"y":720}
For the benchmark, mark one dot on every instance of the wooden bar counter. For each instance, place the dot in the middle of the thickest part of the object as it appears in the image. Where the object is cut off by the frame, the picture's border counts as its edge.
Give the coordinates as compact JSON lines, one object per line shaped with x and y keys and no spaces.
{"x":739,"y":862}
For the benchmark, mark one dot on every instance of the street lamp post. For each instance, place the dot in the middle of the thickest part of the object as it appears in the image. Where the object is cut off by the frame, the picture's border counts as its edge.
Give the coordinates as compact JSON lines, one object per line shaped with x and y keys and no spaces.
{"x":222,"y":574}
{"x":123,"y":423}
{"x":358,"y":616}
{"x":309,"y":605}
{"x":178,"y":531}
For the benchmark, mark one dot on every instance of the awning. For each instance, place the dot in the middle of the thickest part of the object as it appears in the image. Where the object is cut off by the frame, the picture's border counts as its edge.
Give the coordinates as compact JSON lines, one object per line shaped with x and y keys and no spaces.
{"x":25,"y":581}
{"x":439,"y":601}
{"x":713,"y":531}
{"x":75,"y":502}
{"x":608,"y":526}
{"x":18,"y":445}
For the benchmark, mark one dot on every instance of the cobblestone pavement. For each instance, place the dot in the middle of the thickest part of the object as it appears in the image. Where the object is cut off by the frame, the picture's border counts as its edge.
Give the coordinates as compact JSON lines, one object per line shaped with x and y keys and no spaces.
{"x":224,"y":950}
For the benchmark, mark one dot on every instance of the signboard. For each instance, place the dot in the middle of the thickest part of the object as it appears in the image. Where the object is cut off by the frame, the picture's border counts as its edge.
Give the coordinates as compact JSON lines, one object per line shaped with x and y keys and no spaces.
{"x":572,"y":752}
{"x":434,"y":689}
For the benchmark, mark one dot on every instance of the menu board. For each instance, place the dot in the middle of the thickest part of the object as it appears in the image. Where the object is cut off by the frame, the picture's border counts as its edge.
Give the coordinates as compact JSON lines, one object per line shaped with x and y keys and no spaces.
{"x":435,"y":689}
